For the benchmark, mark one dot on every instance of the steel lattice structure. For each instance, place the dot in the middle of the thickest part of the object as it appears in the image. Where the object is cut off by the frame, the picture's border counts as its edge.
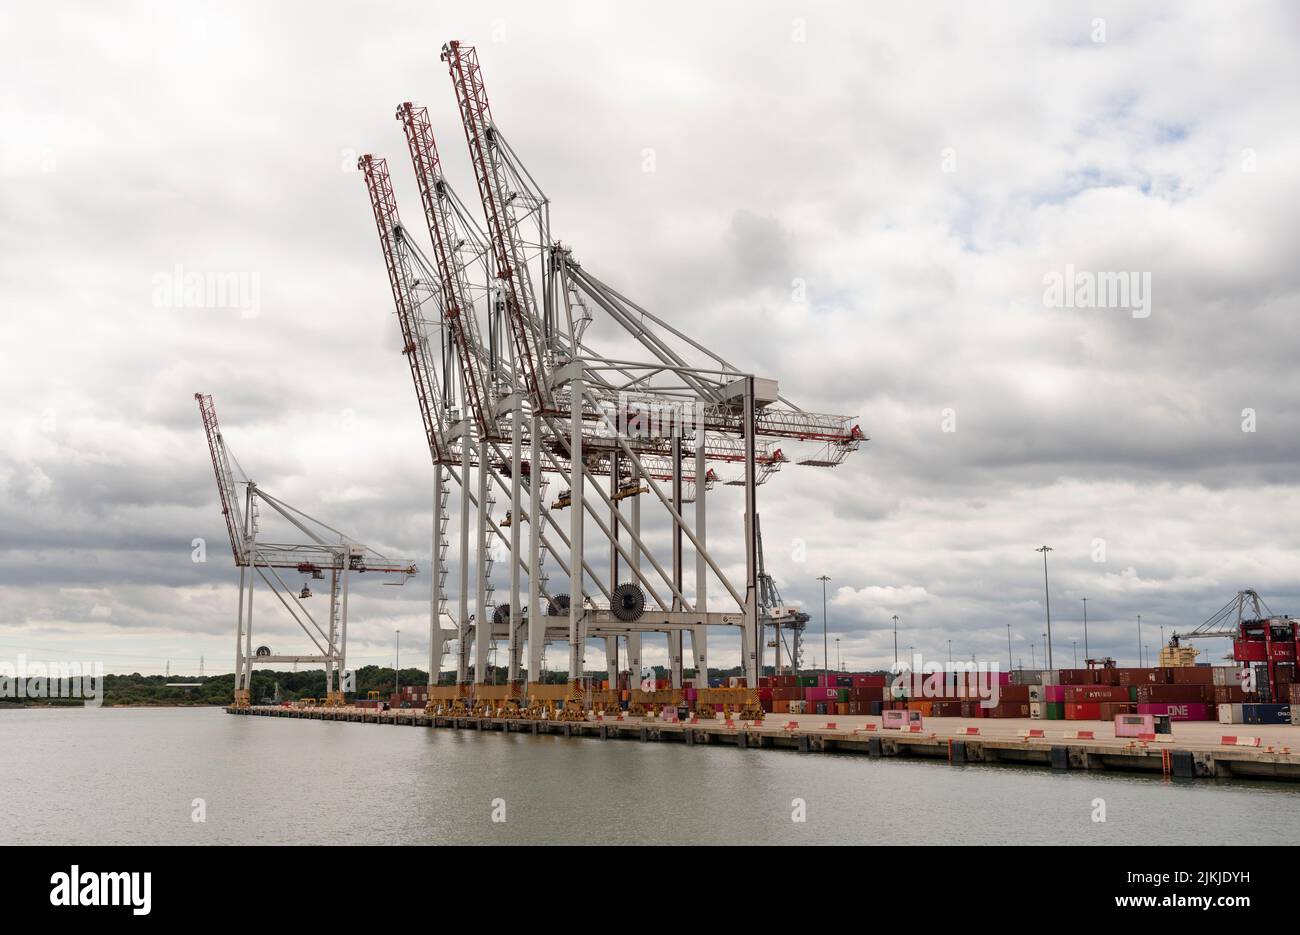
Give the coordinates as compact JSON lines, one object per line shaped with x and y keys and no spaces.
{"x":327,"y":550}
{"x":498,"y":322}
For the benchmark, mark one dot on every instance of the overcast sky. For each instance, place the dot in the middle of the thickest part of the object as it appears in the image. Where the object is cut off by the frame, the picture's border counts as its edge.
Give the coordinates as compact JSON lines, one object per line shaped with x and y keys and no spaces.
{"x":923,"y":171}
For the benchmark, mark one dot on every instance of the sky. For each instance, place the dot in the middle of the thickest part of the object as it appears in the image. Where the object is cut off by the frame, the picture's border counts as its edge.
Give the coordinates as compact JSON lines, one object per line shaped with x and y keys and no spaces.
{"x":870,"y":203}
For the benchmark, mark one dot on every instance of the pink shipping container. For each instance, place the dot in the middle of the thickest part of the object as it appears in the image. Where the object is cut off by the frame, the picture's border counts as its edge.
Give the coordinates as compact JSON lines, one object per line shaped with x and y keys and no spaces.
{"x":1054,"y":693}
{"x":821,"y":694}
{"x":1177,"y":710}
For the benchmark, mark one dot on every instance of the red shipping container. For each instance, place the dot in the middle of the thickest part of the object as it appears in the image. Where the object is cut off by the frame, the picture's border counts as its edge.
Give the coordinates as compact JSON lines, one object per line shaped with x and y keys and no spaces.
{"x":1192,"y":675}
{"x":1081,"y":694}
{"x":1158,"y":694}
{"x":1229,"y":694}
{"x":1111,"y":710}
{"x":1106,"y":676}
{"x":869,"y":681}
{"x":1076,"y":677}
{"x":1085,"y":711}
{"x":1008,"y":709}
{"x":1013,"y":693}
{"x":1137,"y":676}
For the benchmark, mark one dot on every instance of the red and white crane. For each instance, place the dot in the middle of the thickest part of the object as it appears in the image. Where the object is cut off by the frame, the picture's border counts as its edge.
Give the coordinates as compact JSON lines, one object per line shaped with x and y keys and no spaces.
{"x":327,"y":550}
{"x":545,"y":382}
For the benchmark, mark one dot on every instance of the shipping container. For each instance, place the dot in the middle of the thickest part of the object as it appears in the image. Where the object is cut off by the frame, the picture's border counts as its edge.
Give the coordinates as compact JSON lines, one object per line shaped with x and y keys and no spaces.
{"x":1137,"y":676}
{"x":1231,"y":714}
{"x":1192,"y":675}
{"x":1153,"y":694}
{"x":1177,"y":710}
{"x":1008,"y":709}
{"x":1266,"y":713}
{"x":1226,"y":676}
{"x":1228,"y":694}
{"x":1079,"y":694}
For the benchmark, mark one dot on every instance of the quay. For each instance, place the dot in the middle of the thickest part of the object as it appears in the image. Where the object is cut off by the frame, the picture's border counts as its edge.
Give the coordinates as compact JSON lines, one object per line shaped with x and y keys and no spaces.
{"x":1196,"y":750}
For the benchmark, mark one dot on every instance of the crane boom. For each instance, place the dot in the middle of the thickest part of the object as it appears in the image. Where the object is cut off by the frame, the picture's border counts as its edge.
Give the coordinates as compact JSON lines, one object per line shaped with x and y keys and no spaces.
{"x":415,"y":344}
{"x":225,"y":480}
{"x":506,"y":246}
{"x":457,"y":304}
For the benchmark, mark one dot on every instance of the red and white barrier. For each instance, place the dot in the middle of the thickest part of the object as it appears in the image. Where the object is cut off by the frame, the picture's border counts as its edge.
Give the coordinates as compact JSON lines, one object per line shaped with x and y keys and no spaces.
{"x":1229,"y":740}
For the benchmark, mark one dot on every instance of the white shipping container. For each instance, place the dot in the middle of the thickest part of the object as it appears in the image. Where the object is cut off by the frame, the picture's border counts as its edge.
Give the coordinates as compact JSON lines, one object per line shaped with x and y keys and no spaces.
{"x":1229,"y":676}
{"x":1036,"y":710}
{"x":1035,"y":693}
{"x":1231,"y":714}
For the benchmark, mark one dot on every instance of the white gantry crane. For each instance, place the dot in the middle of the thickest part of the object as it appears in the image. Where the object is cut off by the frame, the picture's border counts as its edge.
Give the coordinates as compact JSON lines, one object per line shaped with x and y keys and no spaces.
{"x":325,"y":551}
{"x":527,"y":369}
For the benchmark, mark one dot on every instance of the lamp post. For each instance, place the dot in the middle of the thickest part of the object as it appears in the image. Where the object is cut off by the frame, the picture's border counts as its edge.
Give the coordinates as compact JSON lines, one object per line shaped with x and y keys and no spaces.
{"x":1076,"y":653}
{"x":895,"y":642}
{"x":1085,"y":629}
{"x":397,"y":669}
{"x":839,"y":660}
{"x":950,"y":654}
{"x":1047,"y":596}
{"x":1140,"y":641}
{"x":1033,"y":660}
{"x":826,"y":648}
{"x":1010,"y":664}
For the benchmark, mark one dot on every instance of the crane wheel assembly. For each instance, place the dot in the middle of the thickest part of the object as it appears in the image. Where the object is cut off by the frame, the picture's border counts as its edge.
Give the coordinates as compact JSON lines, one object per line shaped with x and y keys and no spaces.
{"x":627,"y":602}
{"x":558,"y":606}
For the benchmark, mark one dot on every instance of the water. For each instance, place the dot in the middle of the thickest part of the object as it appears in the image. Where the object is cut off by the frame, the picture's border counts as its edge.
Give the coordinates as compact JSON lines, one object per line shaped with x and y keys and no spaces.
{"x":130,"y":776}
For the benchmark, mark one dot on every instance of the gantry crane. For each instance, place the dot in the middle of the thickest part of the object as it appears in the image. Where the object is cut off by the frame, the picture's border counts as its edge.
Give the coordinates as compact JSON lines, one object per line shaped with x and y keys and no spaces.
{"x":777,"y":614}
{"x":327,"y":551}
{"x":613,"y":431}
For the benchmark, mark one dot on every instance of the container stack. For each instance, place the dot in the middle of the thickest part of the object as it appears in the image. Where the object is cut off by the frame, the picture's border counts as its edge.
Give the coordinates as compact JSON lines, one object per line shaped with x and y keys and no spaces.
{"x":822,"y":694}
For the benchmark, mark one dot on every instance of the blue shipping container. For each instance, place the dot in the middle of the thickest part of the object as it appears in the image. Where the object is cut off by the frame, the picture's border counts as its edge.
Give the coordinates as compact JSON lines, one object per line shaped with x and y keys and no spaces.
{"x":1266,"y":713}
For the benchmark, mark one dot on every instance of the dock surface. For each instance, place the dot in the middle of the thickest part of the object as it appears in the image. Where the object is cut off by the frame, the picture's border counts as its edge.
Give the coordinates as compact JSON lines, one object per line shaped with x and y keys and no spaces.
{"x":1194,"y":749}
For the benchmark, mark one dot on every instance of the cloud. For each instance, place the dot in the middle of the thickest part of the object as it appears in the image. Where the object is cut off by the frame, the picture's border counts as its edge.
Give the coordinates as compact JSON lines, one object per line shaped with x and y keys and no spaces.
{"x":918,"y":171}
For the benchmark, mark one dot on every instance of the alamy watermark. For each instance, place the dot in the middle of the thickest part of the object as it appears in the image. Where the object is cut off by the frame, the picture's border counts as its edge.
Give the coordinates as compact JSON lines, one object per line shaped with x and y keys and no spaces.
{"x":645,"y":418}
{"x":28,"y":680}
{"x":209,"y":290}
{"x":1084,"y":289}
{"x":922,"y":678}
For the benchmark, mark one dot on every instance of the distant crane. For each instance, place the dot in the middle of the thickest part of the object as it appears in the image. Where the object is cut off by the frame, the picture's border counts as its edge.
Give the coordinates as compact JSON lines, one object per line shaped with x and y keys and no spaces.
{"x":327,"y":550}
{"x":773,"y":612}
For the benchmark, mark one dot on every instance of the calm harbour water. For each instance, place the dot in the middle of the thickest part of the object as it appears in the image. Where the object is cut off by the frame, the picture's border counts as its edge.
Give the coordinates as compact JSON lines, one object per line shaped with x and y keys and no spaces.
{"x":130,"y":776}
